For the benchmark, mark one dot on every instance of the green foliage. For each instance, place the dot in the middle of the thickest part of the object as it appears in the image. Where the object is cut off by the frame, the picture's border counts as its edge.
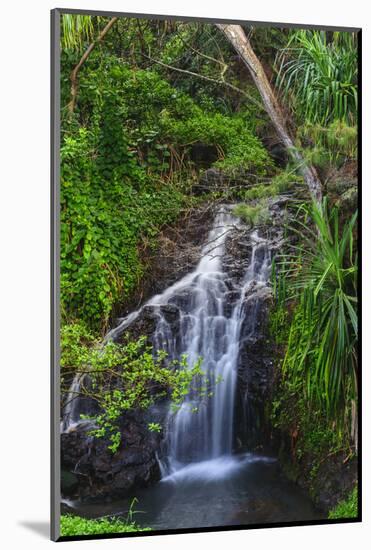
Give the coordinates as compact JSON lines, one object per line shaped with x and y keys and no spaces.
{"x":252,"y":214}
{"x":347,"y":508}
{"x":327,"y":280}
{"x":278,"y":324}
{"x":321,"y":75}
{"x":316,"y":437}
{"x":76,"y":340}
{"x":75,"y":29}
{"x":314,"y":325}
{"x":162,"y":123}
{"x":154,"y":427}
{"x":321,"y":357}
{"x":122,"y":157}
{"x":123,"y":377}
{"x":332,"y":144}
{"x":238,"y":148}
{"x":77,"y":526}
{"x":257,"y":192}
{"x":282,"y":182}
{"x":101,"y":223}
{"x":285,"y":180}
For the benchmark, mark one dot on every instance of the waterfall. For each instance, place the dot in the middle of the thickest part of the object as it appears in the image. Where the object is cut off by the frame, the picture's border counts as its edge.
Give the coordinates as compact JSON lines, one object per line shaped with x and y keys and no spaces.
{"x":202,"y":429}
{"x":77,"y":404}
{"x":209,"y":328}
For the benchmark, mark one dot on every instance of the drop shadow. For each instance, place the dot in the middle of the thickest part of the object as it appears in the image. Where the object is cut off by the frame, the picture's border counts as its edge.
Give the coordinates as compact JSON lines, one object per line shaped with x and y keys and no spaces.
{"x":41,"y":528}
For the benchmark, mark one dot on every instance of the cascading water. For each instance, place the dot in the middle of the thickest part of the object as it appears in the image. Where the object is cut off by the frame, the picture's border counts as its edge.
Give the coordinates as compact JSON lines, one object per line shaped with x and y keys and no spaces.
{"x":215,"y":312}
{"x":209,"y":329}
{"x":202,"y":429}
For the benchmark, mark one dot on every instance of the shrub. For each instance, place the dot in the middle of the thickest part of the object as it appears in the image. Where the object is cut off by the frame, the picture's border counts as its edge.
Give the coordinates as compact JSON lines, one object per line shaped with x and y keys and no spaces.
{"x":332,"y":144}
{"x":122,"y":157}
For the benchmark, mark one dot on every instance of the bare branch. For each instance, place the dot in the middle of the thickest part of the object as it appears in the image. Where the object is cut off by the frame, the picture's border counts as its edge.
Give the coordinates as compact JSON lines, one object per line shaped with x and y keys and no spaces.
{"x":74,"y":82}
{"x":208,"y":78}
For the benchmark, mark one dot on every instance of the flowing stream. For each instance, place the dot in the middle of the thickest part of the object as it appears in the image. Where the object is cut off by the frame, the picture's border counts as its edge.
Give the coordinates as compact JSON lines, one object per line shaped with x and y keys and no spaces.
{"x":204,"y":482}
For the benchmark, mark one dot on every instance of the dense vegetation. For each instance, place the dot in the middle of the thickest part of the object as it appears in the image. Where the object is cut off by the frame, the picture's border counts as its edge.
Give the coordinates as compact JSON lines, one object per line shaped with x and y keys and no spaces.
{"x":157,"y":103}
{"x":315,"y":322}
{"x":127,"y":170}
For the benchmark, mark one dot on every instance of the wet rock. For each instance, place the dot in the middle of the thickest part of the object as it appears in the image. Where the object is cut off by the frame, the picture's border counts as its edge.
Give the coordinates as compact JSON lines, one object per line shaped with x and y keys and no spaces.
{"x":170,"y":313}
{"x":92,"y":471}
{"x":231,"y":299}
{"x":336,"y":474}
{"x":181,"y":300}
{"x":146,"y":322}
{"x":69,"y":482}
{"x":66,"y":508}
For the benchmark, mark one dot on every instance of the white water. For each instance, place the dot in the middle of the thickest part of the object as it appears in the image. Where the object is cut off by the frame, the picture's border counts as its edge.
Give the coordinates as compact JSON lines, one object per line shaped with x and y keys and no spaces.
{"x":201,"y":443}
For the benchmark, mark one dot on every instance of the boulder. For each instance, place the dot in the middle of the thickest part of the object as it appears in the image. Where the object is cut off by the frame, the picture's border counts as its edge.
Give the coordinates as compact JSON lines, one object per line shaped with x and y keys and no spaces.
{"x":146,"y":321}
{"x":90,"y":469}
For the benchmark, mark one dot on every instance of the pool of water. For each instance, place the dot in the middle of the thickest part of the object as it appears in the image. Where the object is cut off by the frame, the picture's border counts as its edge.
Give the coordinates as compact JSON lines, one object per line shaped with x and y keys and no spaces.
{"x":228,"y":491}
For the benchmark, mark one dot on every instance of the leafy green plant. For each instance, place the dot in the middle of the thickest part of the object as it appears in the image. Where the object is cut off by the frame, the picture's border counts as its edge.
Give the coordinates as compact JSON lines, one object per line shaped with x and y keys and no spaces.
{"x":321,"y":75}
{"x":347,"y":508}
{"x":76,"y":526}
{"x":75,"y":29}
{"x":123,"y":377}
{"x":125,"y":173}
{"x":282,"y":182}
{"x":154,"y":427}
{"x":285,"y":181}
{"x":331,"y":145}
{"x":323,"y":336}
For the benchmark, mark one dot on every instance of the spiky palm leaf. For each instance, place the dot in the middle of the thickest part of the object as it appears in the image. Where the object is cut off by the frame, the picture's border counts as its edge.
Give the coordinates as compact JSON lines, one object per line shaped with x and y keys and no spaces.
{"x":321,"y":75}
{"x":76,"y":29}
{"x":322,"y":272}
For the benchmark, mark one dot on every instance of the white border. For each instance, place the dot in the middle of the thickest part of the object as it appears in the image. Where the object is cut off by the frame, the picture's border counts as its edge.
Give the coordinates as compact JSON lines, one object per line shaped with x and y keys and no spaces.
{"x":24,"y":233}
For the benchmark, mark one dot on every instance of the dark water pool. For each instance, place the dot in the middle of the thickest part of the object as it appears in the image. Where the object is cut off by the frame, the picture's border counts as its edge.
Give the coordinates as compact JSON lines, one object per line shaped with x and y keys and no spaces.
{"x":241,"y":490}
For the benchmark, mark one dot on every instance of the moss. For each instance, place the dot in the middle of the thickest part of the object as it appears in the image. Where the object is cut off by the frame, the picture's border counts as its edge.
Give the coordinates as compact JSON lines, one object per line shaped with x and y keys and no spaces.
{"x":347,"y":508}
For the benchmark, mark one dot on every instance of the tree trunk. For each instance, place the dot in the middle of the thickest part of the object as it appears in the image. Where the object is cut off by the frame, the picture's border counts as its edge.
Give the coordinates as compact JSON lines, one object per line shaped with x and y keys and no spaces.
{"x":72,"y":103}
{"x":236,"y":36}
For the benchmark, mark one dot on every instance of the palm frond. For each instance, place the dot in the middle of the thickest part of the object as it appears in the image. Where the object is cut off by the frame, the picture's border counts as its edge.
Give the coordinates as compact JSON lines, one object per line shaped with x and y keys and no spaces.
{"x":320,"y":75}
{"x":323,"y":337}
{"x":76,"y":29}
